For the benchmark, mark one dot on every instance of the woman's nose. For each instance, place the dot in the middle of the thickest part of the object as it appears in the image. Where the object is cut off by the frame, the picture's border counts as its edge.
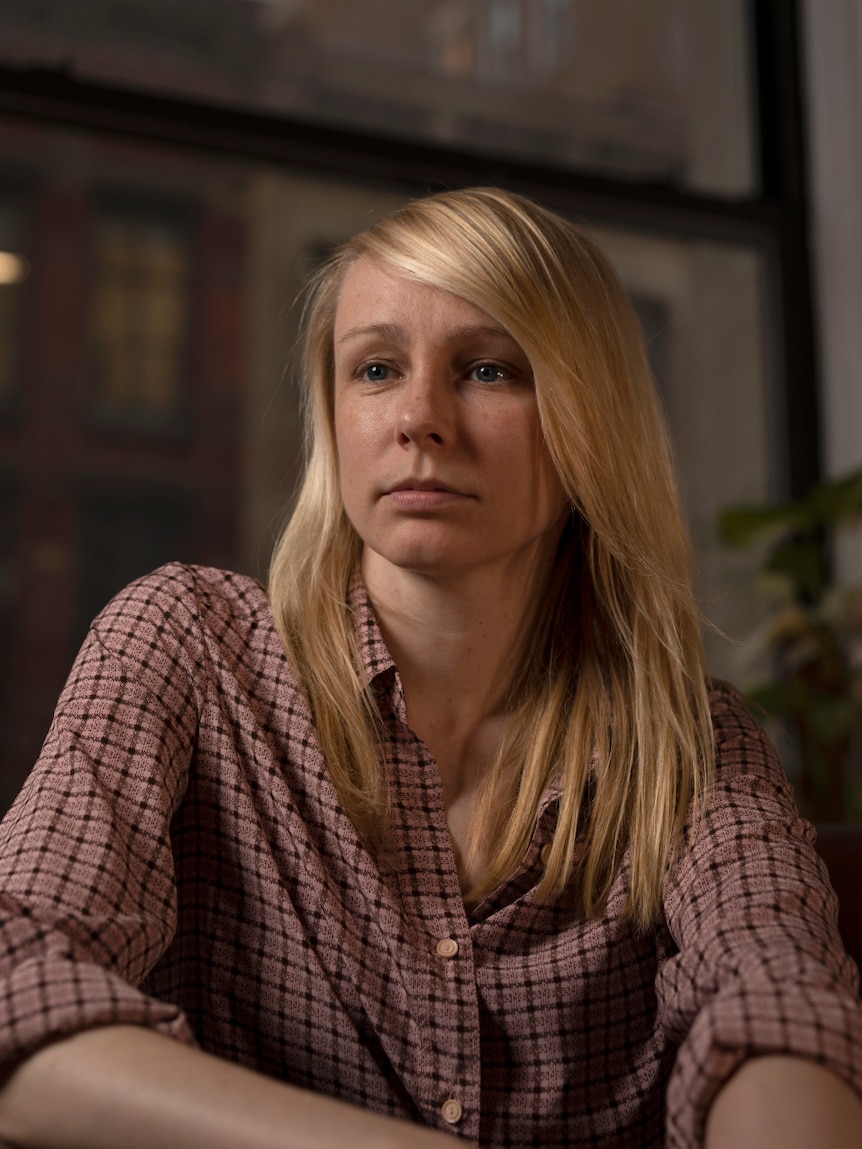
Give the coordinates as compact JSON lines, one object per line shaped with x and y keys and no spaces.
{"x":425,"y":414}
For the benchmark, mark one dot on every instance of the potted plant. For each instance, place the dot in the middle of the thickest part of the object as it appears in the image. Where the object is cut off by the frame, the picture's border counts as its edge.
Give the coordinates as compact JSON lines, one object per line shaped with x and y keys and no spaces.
{"x":813,"y":635}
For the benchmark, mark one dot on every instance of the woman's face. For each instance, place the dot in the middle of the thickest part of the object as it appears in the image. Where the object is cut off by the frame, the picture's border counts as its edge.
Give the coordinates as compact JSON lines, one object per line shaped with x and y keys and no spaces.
{"x":442,"y":462}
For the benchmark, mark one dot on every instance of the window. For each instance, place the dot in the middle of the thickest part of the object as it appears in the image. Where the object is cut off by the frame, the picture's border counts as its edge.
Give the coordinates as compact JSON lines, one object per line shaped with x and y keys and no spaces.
{"x":291,"y":124}
{"x":140,"y":318}
{"x":659,"y":90}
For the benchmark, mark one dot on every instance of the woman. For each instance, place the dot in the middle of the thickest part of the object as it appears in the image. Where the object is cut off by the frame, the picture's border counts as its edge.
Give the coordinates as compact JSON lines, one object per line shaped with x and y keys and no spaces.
{"x":450,"y":825}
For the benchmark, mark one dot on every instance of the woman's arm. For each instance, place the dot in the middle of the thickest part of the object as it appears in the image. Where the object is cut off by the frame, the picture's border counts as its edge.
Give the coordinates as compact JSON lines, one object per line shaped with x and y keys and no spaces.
{"x":761,"y":974}
{"x":785,"y":1103}
{"x":130,"y":1086}
{"x":88,"y":891}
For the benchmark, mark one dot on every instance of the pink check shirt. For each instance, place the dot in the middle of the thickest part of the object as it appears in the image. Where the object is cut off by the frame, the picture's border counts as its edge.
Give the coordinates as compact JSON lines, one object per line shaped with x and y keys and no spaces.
{"x":179,"y":859}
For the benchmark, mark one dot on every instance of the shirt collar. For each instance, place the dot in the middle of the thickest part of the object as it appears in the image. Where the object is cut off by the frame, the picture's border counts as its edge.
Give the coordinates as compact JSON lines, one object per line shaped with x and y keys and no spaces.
{"x":380,"y":670}
{"x":374,"y":656}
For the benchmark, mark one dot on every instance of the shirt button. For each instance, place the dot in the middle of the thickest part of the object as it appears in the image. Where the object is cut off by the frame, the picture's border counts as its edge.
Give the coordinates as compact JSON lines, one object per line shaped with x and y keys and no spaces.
{"x":546,"y":852}
{"x":452,"y":1111}
{"x":447,"y":948}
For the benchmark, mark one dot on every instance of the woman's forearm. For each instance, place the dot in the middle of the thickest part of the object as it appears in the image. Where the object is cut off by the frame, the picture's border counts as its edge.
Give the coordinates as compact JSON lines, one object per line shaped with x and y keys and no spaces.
{"x":128,"y":1086}
{"x":785,"y":1103}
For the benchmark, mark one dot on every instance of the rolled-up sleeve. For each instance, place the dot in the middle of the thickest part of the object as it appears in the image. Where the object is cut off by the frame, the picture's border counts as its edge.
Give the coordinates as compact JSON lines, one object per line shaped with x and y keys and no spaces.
{"x":87,"y":889}
{"x":760,"y":968}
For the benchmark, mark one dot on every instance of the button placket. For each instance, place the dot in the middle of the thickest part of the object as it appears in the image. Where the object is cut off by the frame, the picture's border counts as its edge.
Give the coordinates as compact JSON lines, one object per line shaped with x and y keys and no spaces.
{"x":428,"y":893}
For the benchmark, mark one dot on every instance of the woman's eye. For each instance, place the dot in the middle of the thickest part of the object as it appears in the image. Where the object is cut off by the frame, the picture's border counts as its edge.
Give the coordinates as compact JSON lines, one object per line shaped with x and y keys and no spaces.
{"x":375,"y":373}
{"x":487,"y":373}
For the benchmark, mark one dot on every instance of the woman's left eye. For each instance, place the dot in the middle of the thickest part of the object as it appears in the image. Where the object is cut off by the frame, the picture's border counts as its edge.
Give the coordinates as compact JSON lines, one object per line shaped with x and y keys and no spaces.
{"x":487,"y":373}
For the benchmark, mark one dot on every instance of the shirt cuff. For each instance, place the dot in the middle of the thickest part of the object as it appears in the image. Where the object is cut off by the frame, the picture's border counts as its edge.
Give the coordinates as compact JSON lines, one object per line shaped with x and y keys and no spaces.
{"x":818,"y":1024}
{"x":46,"y":998}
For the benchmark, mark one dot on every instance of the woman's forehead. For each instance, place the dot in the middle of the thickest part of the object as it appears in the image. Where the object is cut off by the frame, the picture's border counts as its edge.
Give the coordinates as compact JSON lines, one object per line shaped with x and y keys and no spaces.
{"x":374,"y":293}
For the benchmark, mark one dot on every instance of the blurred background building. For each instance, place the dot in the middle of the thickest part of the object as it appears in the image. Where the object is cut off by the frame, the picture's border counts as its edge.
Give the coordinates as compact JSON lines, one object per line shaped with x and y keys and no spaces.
{"x":170,"y":170}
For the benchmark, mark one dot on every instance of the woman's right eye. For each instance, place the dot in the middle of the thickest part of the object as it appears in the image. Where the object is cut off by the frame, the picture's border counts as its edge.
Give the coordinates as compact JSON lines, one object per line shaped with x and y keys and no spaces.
{"x":375,"y":372}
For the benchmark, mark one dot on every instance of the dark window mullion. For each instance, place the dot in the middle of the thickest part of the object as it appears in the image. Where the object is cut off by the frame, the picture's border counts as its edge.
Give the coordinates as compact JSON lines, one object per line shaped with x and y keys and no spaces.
{"x":783,"y":173}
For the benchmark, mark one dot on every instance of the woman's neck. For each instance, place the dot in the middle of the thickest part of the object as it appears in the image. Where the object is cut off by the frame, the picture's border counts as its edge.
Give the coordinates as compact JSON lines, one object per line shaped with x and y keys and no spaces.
{"x":456,"y":642}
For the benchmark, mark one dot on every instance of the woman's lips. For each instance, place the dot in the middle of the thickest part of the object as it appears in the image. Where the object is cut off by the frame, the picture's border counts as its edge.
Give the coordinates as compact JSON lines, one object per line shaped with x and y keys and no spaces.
{"x":425,"y":495}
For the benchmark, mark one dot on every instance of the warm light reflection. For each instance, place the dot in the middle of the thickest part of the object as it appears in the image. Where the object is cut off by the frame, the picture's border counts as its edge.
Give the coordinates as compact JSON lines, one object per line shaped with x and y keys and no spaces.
{"x":13,"y":268}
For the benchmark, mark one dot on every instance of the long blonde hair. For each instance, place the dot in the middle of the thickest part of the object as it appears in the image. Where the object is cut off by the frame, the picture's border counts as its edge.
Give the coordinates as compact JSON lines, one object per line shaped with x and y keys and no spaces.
{"x":610,"y":699}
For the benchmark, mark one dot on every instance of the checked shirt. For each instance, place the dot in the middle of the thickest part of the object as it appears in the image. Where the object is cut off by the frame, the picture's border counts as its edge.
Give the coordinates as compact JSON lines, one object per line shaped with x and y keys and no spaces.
{"x":179,"y":859}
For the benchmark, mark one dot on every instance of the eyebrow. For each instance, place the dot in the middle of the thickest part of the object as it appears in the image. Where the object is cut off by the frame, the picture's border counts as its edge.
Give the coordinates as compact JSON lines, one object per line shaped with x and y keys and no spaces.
{"x":394,"y":333}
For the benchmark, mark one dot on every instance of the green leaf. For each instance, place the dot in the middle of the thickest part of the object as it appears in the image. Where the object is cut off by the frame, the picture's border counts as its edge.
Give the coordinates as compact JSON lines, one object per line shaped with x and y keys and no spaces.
{"x":776,"y":698}
{"x":835,"y":500}
{"x":831,"y":719}
{"x":742,"y":525}
{"x":800,"y":558}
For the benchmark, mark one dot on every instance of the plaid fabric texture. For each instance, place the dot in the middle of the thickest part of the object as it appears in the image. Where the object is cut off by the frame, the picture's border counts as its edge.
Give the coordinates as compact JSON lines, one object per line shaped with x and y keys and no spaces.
{"x":178,"y":859}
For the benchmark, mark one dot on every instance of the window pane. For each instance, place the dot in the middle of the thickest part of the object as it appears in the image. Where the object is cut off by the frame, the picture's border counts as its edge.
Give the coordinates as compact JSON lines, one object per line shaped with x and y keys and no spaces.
{"x":140,"y":309}
{"x":703,"y":308}
{"x":659,"y":90}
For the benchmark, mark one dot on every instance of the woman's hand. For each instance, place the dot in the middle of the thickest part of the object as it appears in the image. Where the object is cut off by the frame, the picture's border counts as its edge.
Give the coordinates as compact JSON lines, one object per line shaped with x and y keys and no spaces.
{"x":784,"y":1102}
{"x":129,"y":1086}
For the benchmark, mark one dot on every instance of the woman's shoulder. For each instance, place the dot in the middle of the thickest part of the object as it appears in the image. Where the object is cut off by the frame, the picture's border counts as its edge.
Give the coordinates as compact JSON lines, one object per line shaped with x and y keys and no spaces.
{"x":742,"y":744}
{"x":181,"y":589}
{"x":727,"y":705}
{"x":187,"y":608}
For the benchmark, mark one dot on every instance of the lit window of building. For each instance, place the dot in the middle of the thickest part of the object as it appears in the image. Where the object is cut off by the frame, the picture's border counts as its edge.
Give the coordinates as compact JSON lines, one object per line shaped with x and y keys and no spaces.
{"x":140,"y":318}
